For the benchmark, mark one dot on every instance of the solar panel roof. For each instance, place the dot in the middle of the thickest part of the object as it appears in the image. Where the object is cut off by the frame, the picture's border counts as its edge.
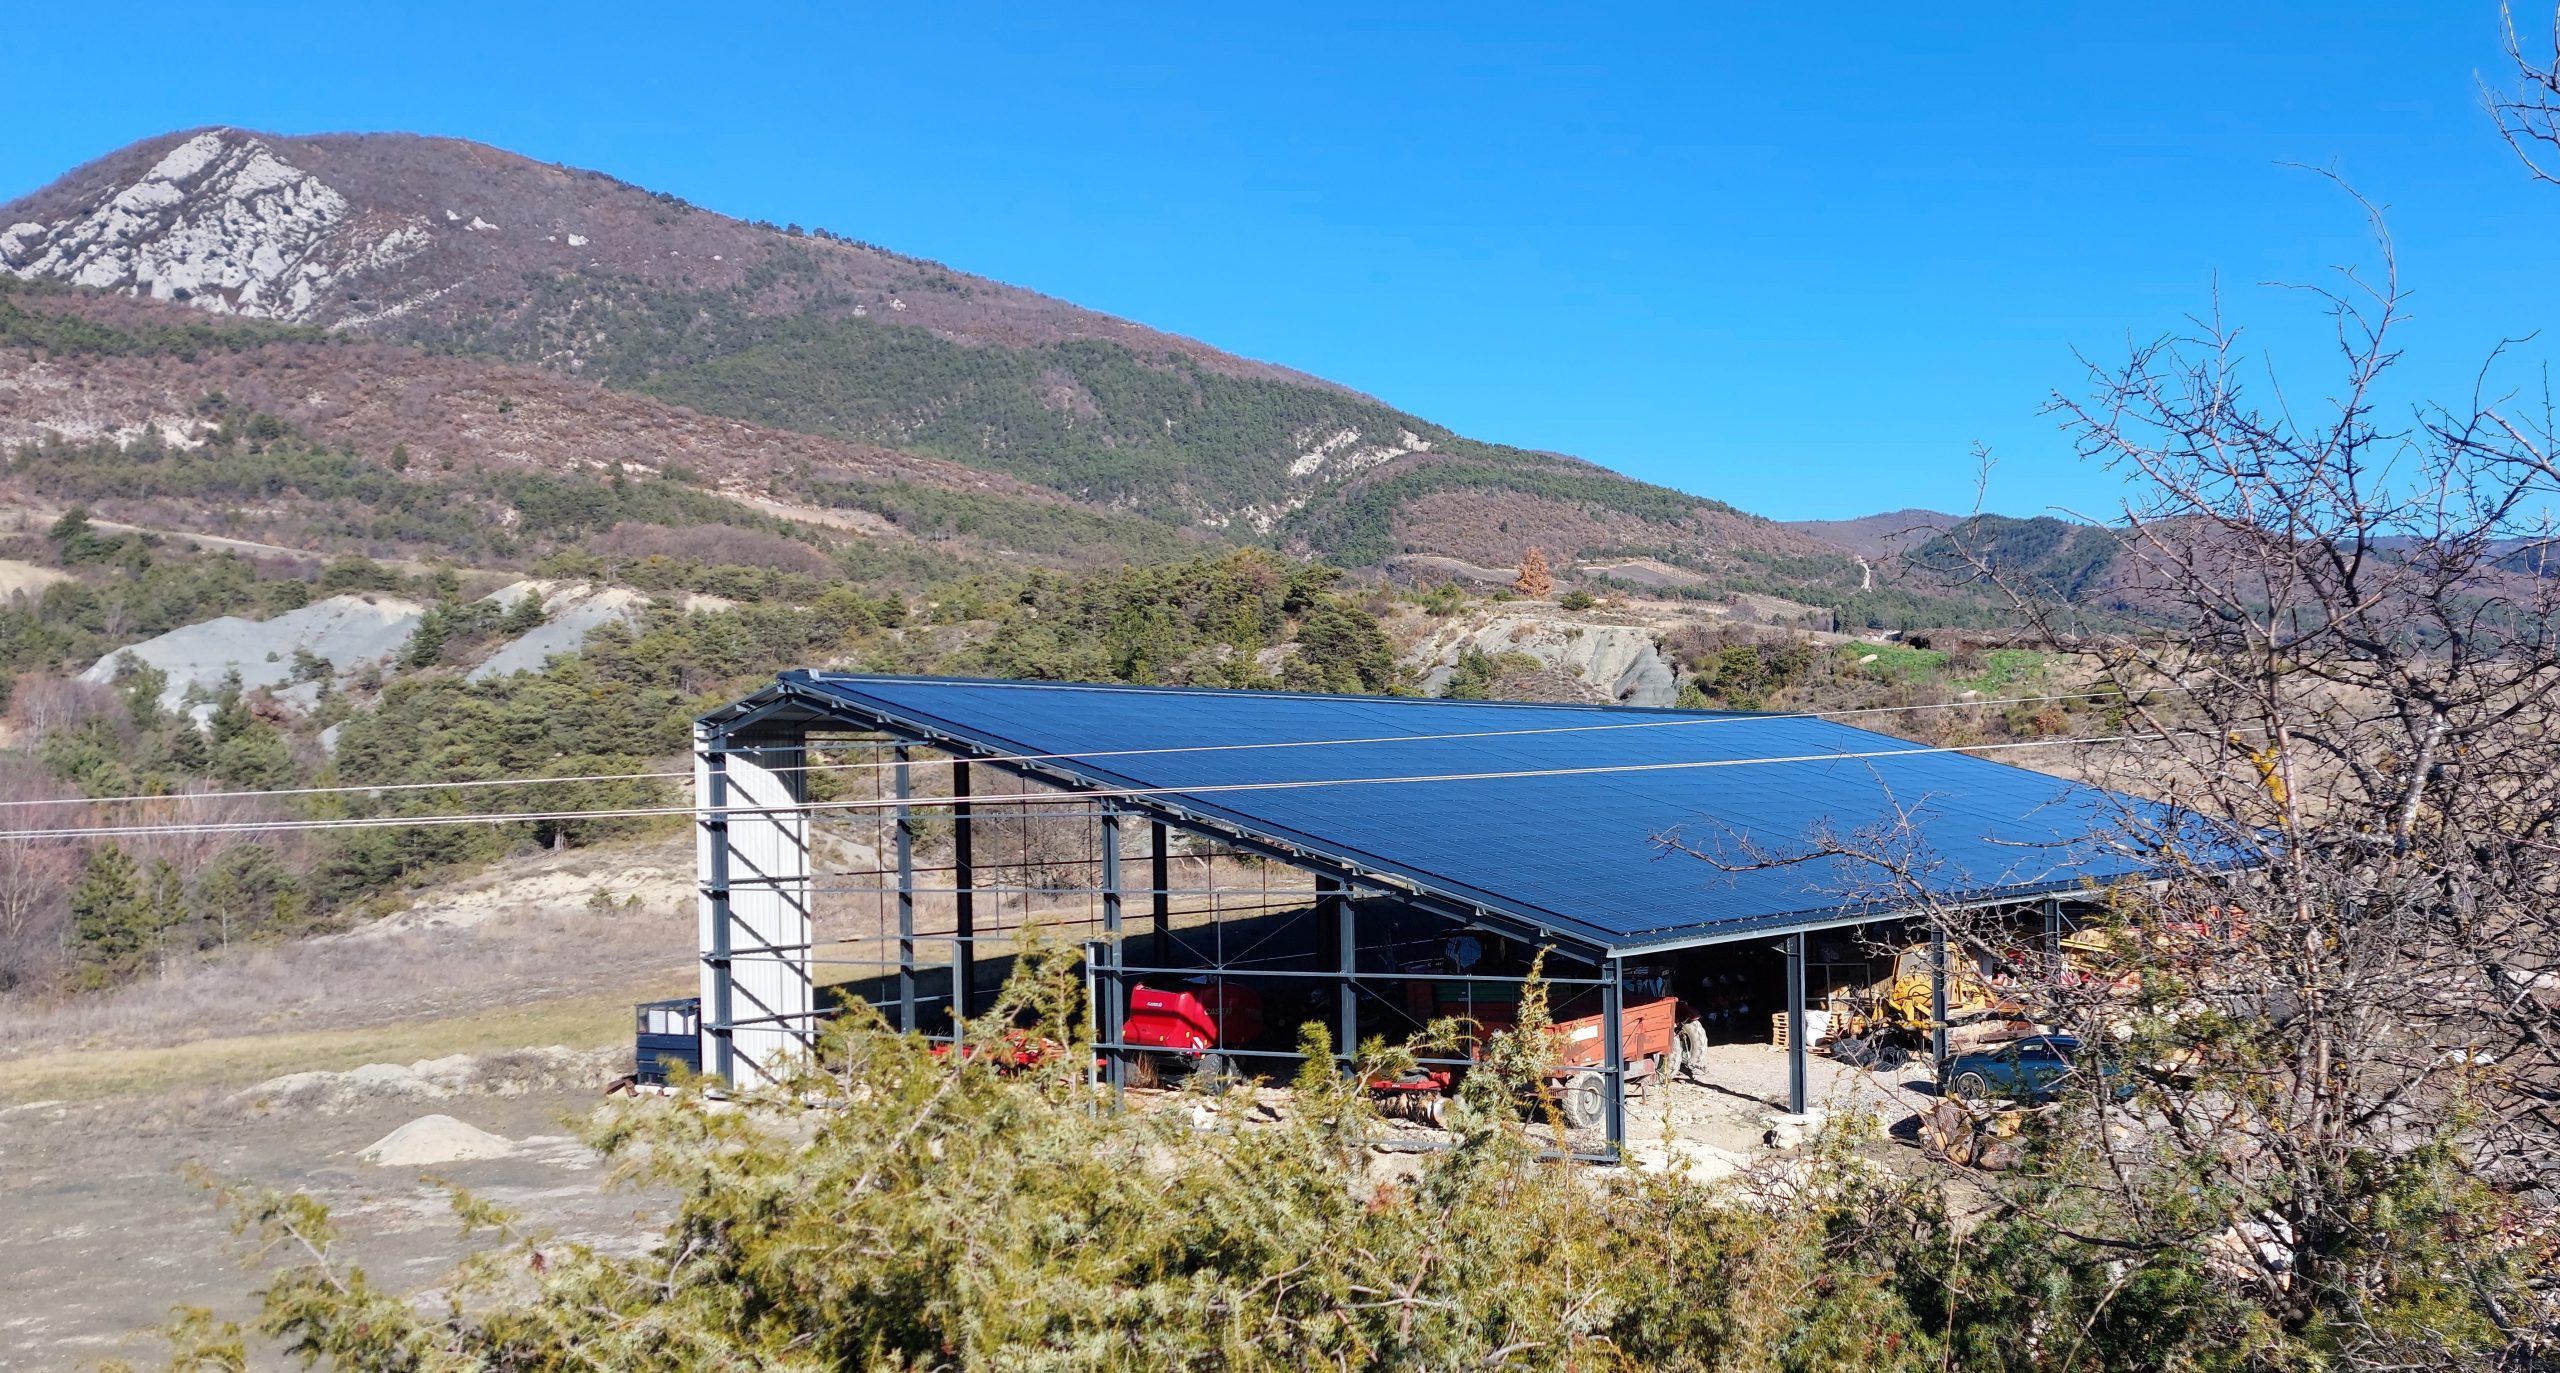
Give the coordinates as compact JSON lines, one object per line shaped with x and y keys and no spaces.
{"x":1552,"y":815}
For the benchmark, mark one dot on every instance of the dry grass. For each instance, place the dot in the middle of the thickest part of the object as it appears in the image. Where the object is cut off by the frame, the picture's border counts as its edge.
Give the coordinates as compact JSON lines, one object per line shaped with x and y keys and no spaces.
{"x":538,"y":928}
{"x":537,"y":969}
{"x":344,"y":984}
{"x":240,"y":1060}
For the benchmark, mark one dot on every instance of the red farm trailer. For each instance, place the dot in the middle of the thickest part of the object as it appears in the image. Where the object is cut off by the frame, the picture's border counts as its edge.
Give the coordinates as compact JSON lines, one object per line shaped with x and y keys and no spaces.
{"x":1658,"y":1039}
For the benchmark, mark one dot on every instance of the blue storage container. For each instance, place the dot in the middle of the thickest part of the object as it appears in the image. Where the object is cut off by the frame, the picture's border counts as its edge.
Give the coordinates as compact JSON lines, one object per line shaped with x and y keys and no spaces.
{"x":669,"y":1032}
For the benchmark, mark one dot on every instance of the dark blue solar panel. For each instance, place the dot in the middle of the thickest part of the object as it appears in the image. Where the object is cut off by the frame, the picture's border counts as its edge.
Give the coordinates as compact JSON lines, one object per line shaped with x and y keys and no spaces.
{"x":1575,"y":851}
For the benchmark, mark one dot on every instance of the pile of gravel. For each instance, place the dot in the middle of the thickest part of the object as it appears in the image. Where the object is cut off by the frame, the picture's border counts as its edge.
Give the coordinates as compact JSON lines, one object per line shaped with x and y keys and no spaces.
{"x":430,"y":1140}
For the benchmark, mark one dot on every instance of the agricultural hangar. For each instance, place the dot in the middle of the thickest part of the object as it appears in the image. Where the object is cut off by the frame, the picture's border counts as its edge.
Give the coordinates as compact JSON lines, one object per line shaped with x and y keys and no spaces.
{"x":1238,"y":863}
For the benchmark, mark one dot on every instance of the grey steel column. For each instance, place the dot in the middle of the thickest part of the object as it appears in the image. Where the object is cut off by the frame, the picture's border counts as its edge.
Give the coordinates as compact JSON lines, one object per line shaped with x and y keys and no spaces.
{"x":906,"y":898}
{"x":1796,"y":1047}
{"x":1159,"y":871}
{"x":1115,"y":992}
{"x":1613,"y":998}
{"x":964,"y":899}
{"x":713,"y":810}
{"x":1938,"y":996}
{"x":2053,"y":938}
{"x":1333,"y":900}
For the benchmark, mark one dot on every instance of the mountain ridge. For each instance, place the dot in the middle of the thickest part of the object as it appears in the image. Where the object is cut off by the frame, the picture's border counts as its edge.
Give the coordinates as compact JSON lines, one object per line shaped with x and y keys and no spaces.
{"x":458,"y":248}
{"x":352,"y":185}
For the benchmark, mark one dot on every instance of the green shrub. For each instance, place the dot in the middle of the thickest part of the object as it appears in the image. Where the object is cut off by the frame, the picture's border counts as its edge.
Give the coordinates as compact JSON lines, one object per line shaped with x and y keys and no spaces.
{"x":906,"y":1207}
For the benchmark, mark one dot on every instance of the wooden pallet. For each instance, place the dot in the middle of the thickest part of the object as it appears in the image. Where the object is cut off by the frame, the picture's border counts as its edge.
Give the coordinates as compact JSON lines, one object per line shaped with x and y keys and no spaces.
{"x":1815,"y":1025}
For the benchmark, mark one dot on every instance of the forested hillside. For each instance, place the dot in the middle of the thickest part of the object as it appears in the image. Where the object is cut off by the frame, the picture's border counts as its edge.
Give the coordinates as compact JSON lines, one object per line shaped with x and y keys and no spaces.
{"x":2043,"y":557}
{"x":618,"y":706}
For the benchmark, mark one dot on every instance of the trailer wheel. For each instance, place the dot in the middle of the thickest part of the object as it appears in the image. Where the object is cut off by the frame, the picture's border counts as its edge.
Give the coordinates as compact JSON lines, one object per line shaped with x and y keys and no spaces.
{"x":1692,"y":1041}
{"x":1586,"y":1100}
{"x":1673,"y":1060}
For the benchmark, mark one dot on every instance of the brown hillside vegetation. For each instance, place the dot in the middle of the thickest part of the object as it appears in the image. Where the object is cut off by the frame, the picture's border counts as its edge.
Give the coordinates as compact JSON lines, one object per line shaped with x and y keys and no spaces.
{"x":1491,"y":527}
{"x":1893,"y":532}
{"x":448,"y":411}
{"x":441,"y":413}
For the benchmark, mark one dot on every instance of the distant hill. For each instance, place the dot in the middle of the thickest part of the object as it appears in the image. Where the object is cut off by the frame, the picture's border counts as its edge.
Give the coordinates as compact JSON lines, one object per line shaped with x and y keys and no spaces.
{"x":2044,"y":557}
{"x":1879,"y":536}
{"x":2057,"y":560}
{"x":460,"y":248}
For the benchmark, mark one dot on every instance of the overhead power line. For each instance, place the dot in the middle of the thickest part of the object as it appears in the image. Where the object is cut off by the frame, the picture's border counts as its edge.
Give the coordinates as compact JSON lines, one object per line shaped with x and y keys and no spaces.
{"x":1083,"y":795}
{"x":483,"y":783}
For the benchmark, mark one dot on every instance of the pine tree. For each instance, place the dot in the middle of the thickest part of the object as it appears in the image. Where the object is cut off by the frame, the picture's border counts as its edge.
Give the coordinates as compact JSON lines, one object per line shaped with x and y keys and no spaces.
{"x":524,"y":616}
{"x":74,"y":524}
{"x":426,"y":642}
{"x":142,"y":685}
{"x":231,"y":717}
{"x":111,"y":917}
{"x":249,"y":892}
{"x":1534,"y":580}
{"x":256,"y":758}
{"x":187,"y":751}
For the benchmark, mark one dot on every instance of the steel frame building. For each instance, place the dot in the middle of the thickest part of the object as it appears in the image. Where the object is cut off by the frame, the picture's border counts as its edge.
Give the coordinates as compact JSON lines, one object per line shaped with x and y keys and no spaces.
{"x":1544,"y":825}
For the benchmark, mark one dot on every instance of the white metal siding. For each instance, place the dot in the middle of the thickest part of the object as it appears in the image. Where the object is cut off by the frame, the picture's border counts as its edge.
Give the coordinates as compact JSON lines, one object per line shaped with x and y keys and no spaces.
{"x":769,"y":995}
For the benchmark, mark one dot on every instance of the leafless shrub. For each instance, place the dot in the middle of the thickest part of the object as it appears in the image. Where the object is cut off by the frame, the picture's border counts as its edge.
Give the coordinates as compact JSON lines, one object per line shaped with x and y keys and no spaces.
{"x":2528,"y":115}
{"x":2358,"y":696}
{"x":36,"y":873}
{"x":2338,"y":1018}
{"x":42,"y":704}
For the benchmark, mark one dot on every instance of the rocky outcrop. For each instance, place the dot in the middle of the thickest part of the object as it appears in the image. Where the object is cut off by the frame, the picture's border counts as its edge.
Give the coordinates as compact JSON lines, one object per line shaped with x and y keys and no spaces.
{"x":569,"y":614}
{"x":220,"y":222}
{"x":349,"y":632}
{"x":346,"y":631}
{"x":1615,"y":663}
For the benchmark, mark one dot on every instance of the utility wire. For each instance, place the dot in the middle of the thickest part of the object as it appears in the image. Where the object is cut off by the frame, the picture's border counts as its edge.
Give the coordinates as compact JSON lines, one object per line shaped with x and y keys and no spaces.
{"x":477,"y":783}
{"x":1077,"y":796}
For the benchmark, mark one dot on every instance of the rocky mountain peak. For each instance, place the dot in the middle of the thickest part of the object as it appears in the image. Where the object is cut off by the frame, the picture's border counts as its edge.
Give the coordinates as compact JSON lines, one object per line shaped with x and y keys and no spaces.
{"x":220,"y":221}
{"x":432,"y":240}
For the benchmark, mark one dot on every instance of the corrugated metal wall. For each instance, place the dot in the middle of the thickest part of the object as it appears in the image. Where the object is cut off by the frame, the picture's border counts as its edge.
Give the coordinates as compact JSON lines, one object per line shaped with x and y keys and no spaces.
{"x":754,"y":907}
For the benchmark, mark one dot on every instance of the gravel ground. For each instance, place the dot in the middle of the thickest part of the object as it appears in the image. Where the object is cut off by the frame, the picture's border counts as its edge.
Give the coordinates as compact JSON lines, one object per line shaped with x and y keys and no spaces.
{"x":1744,"y":1084}
{"x":1716,"y":1119}
{"x":104,"y":1235}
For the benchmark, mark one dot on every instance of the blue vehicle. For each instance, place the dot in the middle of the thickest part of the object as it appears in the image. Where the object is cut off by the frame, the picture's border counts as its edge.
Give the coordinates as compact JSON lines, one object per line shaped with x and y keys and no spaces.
{"x":2037,"y":1068}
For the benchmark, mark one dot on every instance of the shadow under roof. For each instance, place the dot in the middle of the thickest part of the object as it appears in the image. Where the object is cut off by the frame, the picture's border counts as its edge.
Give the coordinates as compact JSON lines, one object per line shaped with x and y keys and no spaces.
{"x":1509,"y":819}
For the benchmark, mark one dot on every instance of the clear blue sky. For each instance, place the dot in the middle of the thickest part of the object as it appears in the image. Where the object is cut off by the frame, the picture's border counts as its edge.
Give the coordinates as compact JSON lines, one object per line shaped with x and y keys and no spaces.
{"x":1798,"y":263}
